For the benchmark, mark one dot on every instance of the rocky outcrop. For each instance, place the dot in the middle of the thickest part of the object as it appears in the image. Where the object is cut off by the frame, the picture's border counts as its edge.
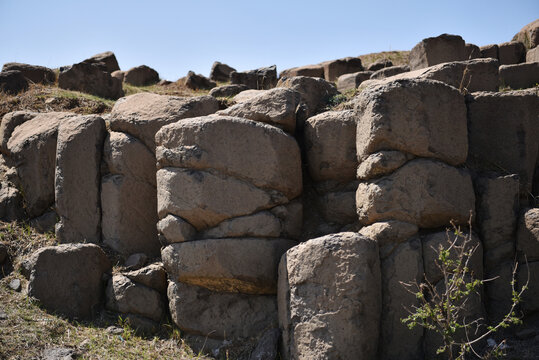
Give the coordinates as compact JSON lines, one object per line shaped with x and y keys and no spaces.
{"x":437,"y":50}
{"x":91,"y":79}
{"x":512,"y":52}
{"x":260,"y":79}
{"x":141,"y":76}
{"x":335,"y":68}
{"x":106,"y":61}
{"x":34,"y":73}
{"x":13,"y":82}
{"x":307,"y":70}
{"x":352,"y":81}
{"x":519,"y":76}
{"x":220,"y":72}
{"x":198,"y":82}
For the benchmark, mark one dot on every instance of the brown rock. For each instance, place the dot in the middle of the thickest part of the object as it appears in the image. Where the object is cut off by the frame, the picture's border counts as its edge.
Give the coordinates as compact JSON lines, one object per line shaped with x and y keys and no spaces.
{"x":436,"y":127}
{"x":141,"y":76}
{"x":90,"y":79}
{"x":246,"y":265}
{"x":315,"y":93}
{"x":220,"y":72}
{"x":511,"y":53}
{"x":489,"y":51}
{"x":390,"y":71}
{"x":67,"y":278}
{"x":519,"y":76}
{"x":197,"y":82}
{"x":379,"y":64}
{"x":472,"y":51}
{"x":532,"y":55}
{"x":530,"y":298}
{"x":528,"y":235}
{"x":329,"y":298}
{"x":437,"y":50}
{"x":77,"y":179}
{"x":34,"y":73}
{"x":529,"y":35}
{"x":175,"y":229}
{"x":351,"y":81}
{"x":9,"y":122}
{"x":106,"y":61}
{"x":389,"y":234}
{"x":227,"y":90}
{"x":118,"y":74}
{"x":13,"y":82}
{"x":262,"y":78}
{"x":152,"y":276}
{"x":261,"y":224}
{"x":338,"y":207}
{"x":381,"y":163}
{"x":498,"y":291}
{"x":422,"y":192}
{"x":307,"y":70}
{"x":335,"y":68}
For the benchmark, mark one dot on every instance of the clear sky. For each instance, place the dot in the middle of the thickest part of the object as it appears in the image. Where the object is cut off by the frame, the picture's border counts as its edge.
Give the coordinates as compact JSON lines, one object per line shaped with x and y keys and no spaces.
{"x":174,"y":37}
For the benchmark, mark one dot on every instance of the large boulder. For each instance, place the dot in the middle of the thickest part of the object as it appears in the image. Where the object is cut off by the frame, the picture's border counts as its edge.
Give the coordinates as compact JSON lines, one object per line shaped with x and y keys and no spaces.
{"x":198,"y":82}
{"x":529,"y":35}
{"x":13,"y":82}
{"x":519,"y":76}
{"x":197,"y":310}
{"x":352,"y":81}
{"x":307,"y":70}
{"x":262,"y":78}
{"x":220,"y":72}
{"x":423,"y":192}
{"x":77,"y":179}
{"x":277,"y":107}
{"x":9,"y":122}
{"x":437,"y":50}
{"x":315,"y":93}
{"x":245,"y":265}
{"x":423,"y":117}
{"x":143,"y":114}
{"x":329,"y":298}
{"x":528,"y":236}
{"x":90,"y":79}
{"x":512,"y":52}
{"x":335,"y":68}
{"x":532,"y":55}
{"x":34,"y":73}
{"x":489,"y":51}
{"x":472,"y":51}
{"x":502,"y":130}
{"x":330,"y":145}
{"x":141,"y":76}
{"x":32,"y":147}
{"x":390,"y":71}
{"x":68,"y":278}
{"x":106,"y":61}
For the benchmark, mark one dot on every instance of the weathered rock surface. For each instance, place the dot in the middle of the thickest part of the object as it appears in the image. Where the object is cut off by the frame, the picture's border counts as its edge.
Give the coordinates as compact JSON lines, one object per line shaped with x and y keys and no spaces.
{"x":330,"y":145}
{"x":529,"y":35}
{"x":276,"y":107}
{"x":423,"y":117}
{"x":13,"y":82}
{"x":141,"y":76}
{"x":9,"y":122}
{"x":32,"y":147}
{"x":329,"y":298}
{"x":335,"y":68}
{"x":502,"y":130}
{"x":489,"y":51}
{"x":143,"y":114}
{"x":472,"y":51}
{"x":220,"y":72}
{"x":519,"y":76}
{"x":512,"y":52}
{"x":227,"y":90}
{"x":175,"y":229}
{"x":248,"y":151}
{"x":67,"y":278}
{"x":389,"y":234}
{"x":246,"y":265}
{"x":338,"y":206}
{"x":77,"y":179}
{"x":152,"y":276}
{"x":315,"y":93}
{"x":381,"y":163}
{"x":390,"y":71}
{"x":307,"y":70}
{"x":118,"y":74}
{"x":532,"y":55}
{"x":262,"y":78}
{"x":379,"y":64}
{"x":351,"y":81}
{"x":267,"y":346}
{"x":423,"y":192}
{"x":106,"y":61}
{"x":261,"y":224}
{"x":437,"y":50}
{"x":197,"y":81}
{"x":528,"y":235}
{"x":34,"y":73}
{"x":90,"y":79}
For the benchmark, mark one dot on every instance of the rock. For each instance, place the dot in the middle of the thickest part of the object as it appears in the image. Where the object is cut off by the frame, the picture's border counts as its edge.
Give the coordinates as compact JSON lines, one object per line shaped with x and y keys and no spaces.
{"x":13,"y":82}
{"x":261,"y":224}
{"x":351,"y":81}
{"x":9,"y":122}
{"x":32,"y":147}
{"x":142,"y":325}
{"x":247,"y":95}
{"x":141,"y":76}
{"x":405,"y":264}
{"x":529,"y":35}
{"x":220,"y":72}
{"x":389,"y":234}
{"x":77,"y":179}
{"x":15,"y":285}
{"x":338,"y":207}
{"x":3,"y":253}
{"x":152,"y":276}
{"x":59,"y":353}
{"x":227,"y":90}
{"x":437,"y":50}
{"x":106,"y":61}
{"x":315,"y":93}
{"x":44,"y":223}
{"x":118,"y":74}
{"x":501,"y":133}
{"x":90,"y":79}
{"x":245,"y":265}
{"x":175,"y":229}
{"x":498,"y":291}
{"x":528,"y":235}
{"x":431,"y":252}
{"x":276,"y":107}
{"x":127,"y":297}
{"x":472,"y":51}
{"x":262,"y":78}
{"x":164,"y":82}
{"x":437,"y":126}
{"x":519,"y":76}
{"x":136,"y":261}
{"x":423,"y":192}
{"x":291,"y":217}
{"x":11,"y":203}
{"x":307,"y":70}
{"x":143,"y":114}
{"x":34,"y":73}
{"x":197,"y":310}
{"x":390,"y":71}
{"x":381,"y":163}
{"x":329,"y":298}
{"x":197,"y":82}
{"x":511,"y":53}
{"x":532,"y":55}
{"x":129,"y":215}
{"x":266,"y":348}
{"x":335,"y":68}
{"x":243,"y":151}
{"x":67,"y":278}
{"x":497,"y":204}
{"x":530,"y":298}
{"x":379,"y":64}
{"x":489,"y":51}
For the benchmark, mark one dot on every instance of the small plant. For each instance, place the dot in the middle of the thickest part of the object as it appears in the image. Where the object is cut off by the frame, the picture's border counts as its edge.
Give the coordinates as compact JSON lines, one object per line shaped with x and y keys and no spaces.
{"x":442,"y":310}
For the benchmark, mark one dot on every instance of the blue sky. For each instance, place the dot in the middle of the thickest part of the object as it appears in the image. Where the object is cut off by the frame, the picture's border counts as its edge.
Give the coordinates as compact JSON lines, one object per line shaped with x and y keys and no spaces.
{"x":174,"y":37}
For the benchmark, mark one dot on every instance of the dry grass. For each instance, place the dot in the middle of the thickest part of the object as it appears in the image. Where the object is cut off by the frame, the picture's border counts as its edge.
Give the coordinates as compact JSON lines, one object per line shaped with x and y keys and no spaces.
{"x":396,"y":57}
{"x":177,"y":88}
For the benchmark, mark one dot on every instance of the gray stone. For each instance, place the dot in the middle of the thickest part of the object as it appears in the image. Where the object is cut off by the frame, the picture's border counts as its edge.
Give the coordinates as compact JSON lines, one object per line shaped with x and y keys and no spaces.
{"x":390,"y":71}
{"x":260,"y":224}
{"x":15,"y":285}
{"x":44,"y":223}
{"x":9,"y":122}
{"x":512,"y":52}
{"x":532,"y":55}
{"x":136,"y":261}
{"x":175,"y":229}
{"x":307,"y":70}
{"x":59,"y":353}
{"x":262,"y":78}
{"x":267,"y":346}
{"x":381,"y":163}
{"x":227,"y":90}
{"x":437,"y":50}
{"x":335,"y":68}
{"x":529,"y":35}
{"x":519,"y":76}
{"x":220,"y":72}
{"x":152,"y":276}
{"x":528,"y":235}
{"x":379,"y":64}
{"x":351,"y":81}
{"x":338,"y":207}
{"x":389,"y":234}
